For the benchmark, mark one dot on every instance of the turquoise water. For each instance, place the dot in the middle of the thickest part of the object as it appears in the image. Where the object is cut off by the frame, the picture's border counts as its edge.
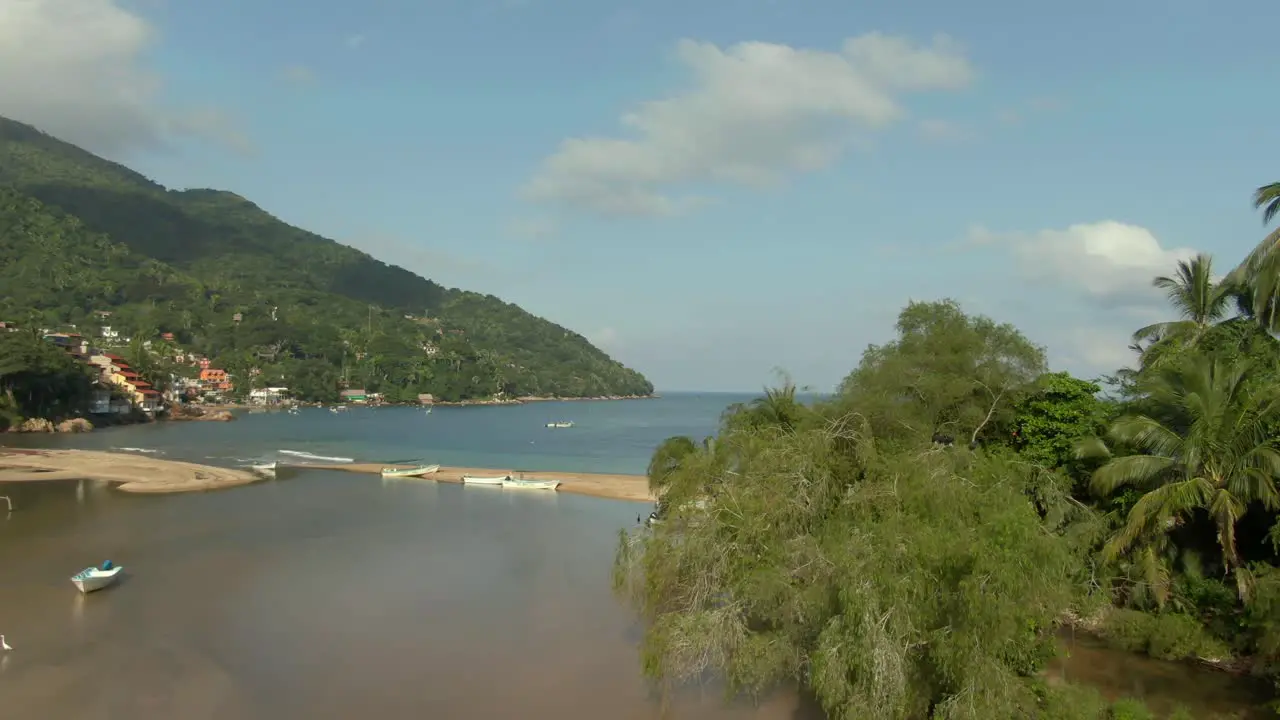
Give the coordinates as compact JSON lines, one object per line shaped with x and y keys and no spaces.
{"x":609,"y":436}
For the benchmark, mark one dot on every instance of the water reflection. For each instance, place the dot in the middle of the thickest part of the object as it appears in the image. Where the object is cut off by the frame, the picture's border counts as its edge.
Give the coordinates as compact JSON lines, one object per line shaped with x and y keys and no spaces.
{"x":335,"y":596}
{"x":1163,"y":686}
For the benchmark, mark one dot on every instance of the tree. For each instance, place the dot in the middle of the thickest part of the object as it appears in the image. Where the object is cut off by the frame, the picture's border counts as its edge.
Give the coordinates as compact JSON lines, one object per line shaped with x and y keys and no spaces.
{"x":893,"y":584}
{"x":946,"y":372}
{"x":1206,"y":445}
{"x":1198,"y":299}
{"x":1260,"y":271}
{"x":1049,"y":422}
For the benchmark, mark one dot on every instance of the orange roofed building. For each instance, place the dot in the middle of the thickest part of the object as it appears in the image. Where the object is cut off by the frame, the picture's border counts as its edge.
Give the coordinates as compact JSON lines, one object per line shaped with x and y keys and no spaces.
{"x":215,"y":380}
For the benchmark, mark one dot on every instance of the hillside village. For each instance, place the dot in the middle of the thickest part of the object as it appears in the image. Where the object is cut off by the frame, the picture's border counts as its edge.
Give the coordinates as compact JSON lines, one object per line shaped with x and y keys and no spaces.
{"x":174,"y":376}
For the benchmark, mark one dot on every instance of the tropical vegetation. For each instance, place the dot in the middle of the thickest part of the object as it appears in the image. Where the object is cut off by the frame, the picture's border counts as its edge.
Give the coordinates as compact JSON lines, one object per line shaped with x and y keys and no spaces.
{"x":908,"y":547}
{"x":87,"y":242}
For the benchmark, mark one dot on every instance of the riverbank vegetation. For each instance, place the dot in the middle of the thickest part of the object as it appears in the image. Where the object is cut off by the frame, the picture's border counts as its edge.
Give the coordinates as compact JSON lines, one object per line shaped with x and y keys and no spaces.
{"x":88,"y":242}
{"x":906,"y":548}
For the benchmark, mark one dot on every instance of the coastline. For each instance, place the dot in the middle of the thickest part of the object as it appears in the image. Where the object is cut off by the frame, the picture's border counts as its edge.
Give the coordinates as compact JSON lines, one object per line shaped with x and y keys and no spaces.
{"x":439,"y":403}
{"x":142,"y":474}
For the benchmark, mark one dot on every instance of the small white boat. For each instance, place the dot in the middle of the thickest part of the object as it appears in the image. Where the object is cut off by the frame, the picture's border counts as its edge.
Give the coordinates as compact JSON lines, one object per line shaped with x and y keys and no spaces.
{"x":561,"y":424}
{"x":265,"y":469}
{"x":418,"y":471}
{"x":93,"y":578}
{"x":496,"y":480}
{"x":520,"y":484}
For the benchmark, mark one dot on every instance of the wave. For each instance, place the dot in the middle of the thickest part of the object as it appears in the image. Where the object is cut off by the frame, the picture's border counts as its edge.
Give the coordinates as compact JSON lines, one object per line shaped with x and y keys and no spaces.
{"x":309,"y":456}
{"x":148,"y":451}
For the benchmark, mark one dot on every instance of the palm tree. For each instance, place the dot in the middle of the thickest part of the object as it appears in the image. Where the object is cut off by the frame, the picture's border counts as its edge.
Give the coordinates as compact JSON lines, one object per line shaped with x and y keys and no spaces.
{"x":1199,"y":301}
{"x":1205,"y":446}
{"x":1260,"y":271}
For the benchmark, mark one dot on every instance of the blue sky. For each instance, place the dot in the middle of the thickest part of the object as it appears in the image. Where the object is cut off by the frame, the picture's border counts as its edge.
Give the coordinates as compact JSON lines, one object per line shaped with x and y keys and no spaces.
{"x":815,"y":163}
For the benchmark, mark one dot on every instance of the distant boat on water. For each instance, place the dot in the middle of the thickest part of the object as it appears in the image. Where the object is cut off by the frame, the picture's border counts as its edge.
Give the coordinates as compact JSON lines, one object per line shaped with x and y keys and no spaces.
{"x":419,"y":471}
{"x":561,"y":424}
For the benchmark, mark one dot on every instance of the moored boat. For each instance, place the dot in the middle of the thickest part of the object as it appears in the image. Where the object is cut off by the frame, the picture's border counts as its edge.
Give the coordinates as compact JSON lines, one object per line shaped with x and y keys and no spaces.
{"x":265,"y":469}
{"x":561,"y":424}
{"x":495,"y":480}
{"x":417,"y":471}
{"x":96,"y":578}
{"x":519,"y":484}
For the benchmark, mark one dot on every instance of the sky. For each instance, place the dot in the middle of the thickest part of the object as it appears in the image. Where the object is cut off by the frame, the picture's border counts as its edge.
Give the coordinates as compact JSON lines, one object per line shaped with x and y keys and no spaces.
{"x":710,"y":191}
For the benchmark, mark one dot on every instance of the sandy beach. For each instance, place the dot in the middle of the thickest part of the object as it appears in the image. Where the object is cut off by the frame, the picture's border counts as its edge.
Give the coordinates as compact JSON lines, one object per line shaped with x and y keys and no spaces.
{"x":142,"y":474}
{"x":633,"y":488}
{"x":135,"y":473}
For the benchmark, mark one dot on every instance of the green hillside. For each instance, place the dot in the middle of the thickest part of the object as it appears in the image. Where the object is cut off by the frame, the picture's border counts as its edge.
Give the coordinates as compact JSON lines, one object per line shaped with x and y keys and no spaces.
{"x":80,"y":234}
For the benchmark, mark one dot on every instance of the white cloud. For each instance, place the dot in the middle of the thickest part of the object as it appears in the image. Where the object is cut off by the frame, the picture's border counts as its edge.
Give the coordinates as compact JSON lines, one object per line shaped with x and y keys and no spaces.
{"x":757,"y":112}
{"x":76,"y":70}
{"x":1110,"y":262}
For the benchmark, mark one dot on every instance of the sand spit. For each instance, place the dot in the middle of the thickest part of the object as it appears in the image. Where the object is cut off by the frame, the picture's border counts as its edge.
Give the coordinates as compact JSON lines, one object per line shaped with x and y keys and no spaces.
{"x":143,"y":474}
{"x":135,"y":473}
{"x":634,"y":488}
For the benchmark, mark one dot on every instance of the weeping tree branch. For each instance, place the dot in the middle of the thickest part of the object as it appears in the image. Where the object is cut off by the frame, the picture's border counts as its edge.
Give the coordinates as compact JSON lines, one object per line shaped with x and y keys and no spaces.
{"x":995,"y":401}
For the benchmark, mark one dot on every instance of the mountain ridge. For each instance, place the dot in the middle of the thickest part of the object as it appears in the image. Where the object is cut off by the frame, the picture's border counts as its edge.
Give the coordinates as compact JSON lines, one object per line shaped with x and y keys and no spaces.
{"x":214,"y":253}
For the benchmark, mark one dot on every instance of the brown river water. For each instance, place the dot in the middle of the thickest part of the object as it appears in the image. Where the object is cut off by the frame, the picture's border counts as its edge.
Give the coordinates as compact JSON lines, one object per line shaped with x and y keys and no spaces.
{"x":329,"y":595}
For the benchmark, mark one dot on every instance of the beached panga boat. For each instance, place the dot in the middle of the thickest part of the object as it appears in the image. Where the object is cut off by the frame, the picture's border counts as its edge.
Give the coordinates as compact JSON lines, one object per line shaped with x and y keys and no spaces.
{"x":530,"y":484}
{"x":496,"y":480}
{"x":267,"y":469}
{"x":418,"y":471}
{"x":96,"y":578}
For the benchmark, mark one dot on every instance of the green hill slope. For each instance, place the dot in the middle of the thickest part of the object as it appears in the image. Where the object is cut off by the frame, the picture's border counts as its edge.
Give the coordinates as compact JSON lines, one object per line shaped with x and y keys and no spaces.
{"x":79,"y":234}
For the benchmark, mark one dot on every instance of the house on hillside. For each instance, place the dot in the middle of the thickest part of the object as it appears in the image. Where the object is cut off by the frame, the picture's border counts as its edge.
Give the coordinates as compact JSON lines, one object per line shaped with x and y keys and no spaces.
{"x":215,"y":380}
{"x":109,"y":333}
{"x":355,"y":396}
{"x":268,"y":396}
{"x":118,"y":374}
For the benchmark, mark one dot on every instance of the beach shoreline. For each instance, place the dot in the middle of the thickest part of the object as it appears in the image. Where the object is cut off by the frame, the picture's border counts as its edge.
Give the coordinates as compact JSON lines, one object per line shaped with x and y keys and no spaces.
{"x":143,"y":474}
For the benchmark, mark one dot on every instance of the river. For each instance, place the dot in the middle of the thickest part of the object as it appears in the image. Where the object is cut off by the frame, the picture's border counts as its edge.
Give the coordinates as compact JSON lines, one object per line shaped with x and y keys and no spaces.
{"x":327,"y":594}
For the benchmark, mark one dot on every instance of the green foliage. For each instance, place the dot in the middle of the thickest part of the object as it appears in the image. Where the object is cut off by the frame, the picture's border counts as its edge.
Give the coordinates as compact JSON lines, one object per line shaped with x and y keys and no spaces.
{"x":79,"y":234}
{"x":1130,"y":709}
{"x":1054,"y":416}
{"x":894,"y":579}
{"x":39,"y":380}
{"x":1167,"y":636}
{"x":946,"y":372}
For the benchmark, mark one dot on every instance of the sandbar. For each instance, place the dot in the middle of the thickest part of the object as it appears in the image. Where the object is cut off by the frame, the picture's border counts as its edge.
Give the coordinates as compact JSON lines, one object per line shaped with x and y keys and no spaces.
{"x":143,"y":474}
{"x":134,"y":473}
{"x":632,"y":488}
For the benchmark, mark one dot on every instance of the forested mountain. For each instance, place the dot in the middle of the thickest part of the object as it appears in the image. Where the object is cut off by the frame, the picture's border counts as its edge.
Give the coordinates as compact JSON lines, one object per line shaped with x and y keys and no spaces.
{"x":80,"y":234}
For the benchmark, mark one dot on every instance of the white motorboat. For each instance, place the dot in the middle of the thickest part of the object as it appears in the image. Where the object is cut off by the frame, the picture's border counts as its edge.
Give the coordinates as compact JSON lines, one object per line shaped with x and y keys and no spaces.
{"x":96,"y":578}
{"x":410,"y":472}
{"x":518,"y":484}
{"x":494,"y":481}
